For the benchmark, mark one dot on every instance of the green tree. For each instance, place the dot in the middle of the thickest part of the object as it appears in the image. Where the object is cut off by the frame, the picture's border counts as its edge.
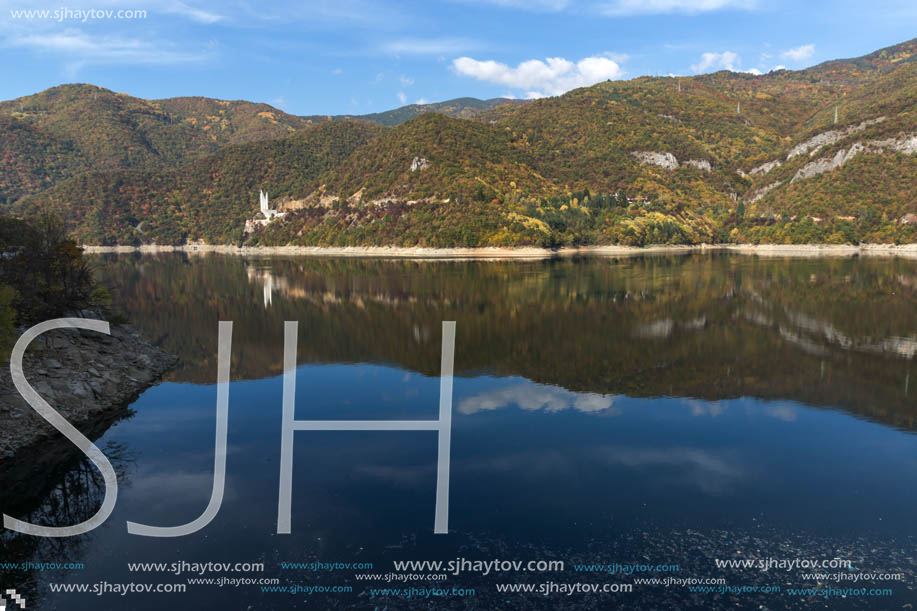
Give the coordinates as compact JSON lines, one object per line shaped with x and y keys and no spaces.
{"x":49,"y":271}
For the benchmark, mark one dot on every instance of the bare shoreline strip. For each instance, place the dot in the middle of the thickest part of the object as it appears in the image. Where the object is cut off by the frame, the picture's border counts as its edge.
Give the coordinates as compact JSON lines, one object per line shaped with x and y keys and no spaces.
{"x":395,"y":252}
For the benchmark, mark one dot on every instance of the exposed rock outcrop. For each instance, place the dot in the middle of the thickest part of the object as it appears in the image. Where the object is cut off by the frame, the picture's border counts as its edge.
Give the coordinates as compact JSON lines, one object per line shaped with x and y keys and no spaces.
{"x":663,"y":160}
{"x":759,"y":193}
{"x":84,"y":375}
{"x":826,"y":164}
{"x":905,"y":144}
{"x":764,"y":168}
{"x":668,"y":161}
{"x":827,"y":138}
{"x":700,"y":164}
{"x":419,"y":163}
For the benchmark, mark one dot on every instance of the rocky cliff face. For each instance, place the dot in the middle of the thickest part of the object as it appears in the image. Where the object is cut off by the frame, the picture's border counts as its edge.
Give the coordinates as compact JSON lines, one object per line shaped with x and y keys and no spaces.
{"x":663,"y":160}
{"x":813,"y":144}
{"x":905,"y":144}
{"x":84,"y":375}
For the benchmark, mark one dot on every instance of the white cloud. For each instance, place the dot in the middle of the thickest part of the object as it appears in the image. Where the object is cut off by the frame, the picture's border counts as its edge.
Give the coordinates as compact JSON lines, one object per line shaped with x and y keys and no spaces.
{"x":706,"y":408}
{"x":422,"y":101}
{"x":727,"y":60}
{"x":535,"y":397}
{"x":754,"y":71}
{"x":195,"y":14}
{"x":654,"y":7}
{"x":553,"y":76}
{"x":780,"y":67}
{"x":800,"y":53}
{"x":80,"y":49}
{"x":618,"y":58}
{"x":402,"y":98}
{"x":78,"y":39}
{"x":406,"y":81}
{"x":430,"y":46}
{"x":787,"y":413}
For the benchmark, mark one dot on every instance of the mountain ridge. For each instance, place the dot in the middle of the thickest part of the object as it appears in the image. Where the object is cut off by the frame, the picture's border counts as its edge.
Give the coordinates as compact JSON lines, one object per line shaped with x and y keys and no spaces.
{"x":822,"y":154}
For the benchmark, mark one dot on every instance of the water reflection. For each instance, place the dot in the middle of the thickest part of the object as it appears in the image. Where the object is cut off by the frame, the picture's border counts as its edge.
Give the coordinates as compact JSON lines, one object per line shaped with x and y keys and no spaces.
{"x":664,"y":409}
{"x":831,"y":332}
{"x":54,"y":487}
{"x":534,"y":397}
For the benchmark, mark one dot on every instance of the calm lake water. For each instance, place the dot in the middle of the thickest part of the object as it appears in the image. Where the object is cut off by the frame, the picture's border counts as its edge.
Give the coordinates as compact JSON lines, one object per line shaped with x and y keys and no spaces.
{"x":650,"y":410}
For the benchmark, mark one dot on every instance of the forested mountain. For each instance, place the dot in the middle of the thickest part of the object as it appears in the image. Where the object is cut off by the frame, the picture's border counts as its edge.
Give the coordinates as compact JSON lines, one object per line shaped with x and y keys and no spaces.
{"x":459,"y":108}
{"x":70,"y":129}
{"x":201,"y":198}
{"x":818,"y":155}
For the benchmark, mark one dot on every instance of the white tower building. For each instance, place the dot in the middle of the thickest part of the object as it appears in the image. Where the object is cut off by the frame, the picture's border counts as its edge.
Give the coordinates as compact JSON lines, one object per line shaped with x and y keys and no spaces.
{"x":265,"y":210}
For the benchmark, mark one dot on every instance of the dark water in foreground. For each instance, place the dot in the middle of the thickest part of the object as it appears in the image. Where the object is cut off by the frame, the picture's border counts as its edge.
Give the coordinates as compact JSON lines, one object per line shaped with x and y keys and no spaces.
{"x":656,"y":410}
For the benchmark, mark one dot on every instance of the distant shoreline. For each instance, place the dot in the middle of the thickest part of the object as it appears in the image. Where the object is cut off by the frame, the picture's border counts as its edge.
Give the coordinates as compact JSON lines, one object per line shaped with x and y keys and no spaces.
{"x":395,"y":252}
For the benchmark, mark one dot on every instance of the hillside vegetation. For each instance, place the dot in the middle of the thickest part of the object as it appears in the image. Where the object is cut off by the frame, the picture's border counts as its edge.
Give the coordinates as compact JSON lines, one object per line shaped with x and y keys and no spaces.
{"x":825,"y":154}
{"x":459,"y":108}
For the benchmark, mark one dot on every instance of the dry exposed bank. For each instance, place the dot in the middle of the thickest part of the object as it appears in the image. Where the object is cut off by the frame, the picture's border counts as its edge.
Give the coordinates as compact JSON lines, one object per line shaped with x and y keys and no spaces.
{"x":85,"y":375}
{"x":779,"y":250}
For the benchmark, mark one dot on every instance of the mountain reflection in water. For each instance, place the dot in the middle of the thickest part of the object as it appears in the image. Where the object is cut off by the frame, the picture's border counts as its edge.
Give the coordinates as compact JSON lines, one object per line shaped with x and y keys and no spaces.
{"x":834,"y":332}
{"x":636,"y":410}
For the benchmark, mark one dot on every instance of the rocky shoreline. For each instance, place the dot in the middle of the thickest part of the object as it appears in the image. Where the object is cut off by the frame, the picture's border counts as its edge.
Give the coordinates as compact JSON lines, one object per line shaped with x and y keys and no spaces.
{"x":86,"y":376}
{"x":396,"y":252}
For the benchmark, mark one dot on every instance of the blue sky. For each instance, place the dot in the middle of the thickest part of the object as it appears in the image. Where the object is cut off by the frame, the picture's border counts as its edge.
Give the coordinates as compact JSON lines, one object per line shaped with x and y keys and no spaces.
{"x":359,"y":56}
